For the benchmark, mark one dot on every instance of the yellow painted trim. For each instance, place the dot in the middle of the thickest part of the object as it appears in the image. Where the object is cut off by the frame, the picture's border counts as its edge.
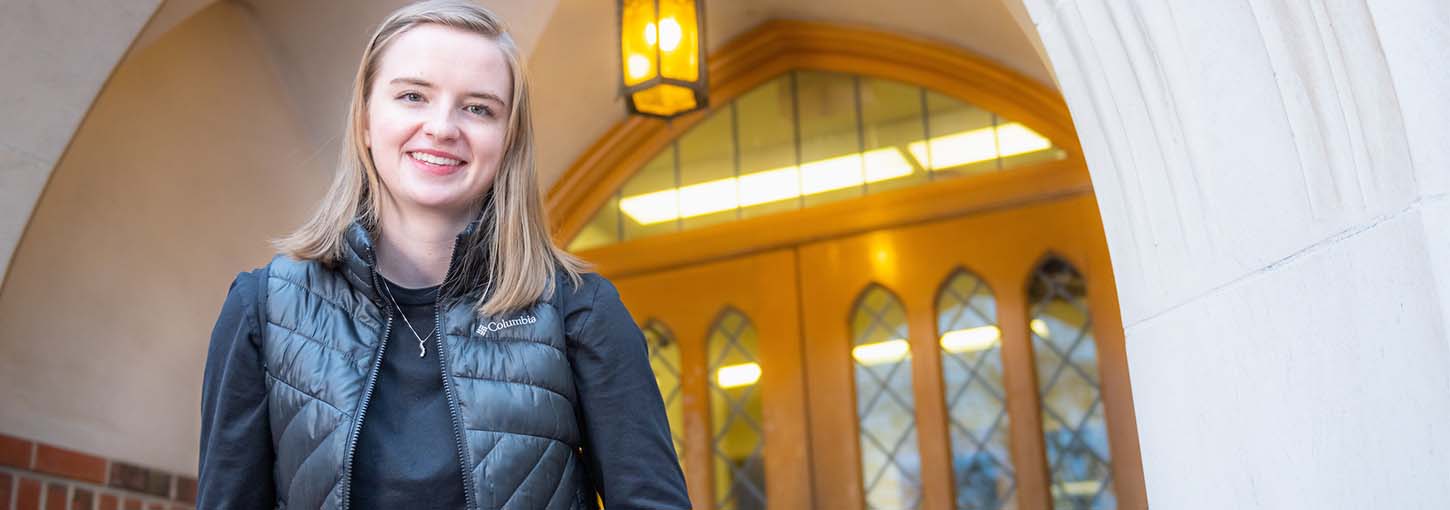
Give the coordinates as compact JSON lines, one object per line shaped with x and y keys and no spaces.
{"x":777,"y":47}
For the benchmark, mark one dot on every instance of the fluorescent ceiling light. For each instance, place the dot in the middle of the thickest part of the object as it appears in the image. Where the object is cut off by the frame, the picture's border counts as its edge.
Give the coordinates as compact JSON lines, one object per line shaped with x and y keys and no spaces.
{"x":734,"y":376}
{"x":830,"y":174}
{"x":876,"y":353}
{"x":977,"y":145}
{"x":1077,"y":487}
{"x":767,"y":186}
{"x":955,"y":341}
{"x":975,"y":339}
{"x":1039,"y":326}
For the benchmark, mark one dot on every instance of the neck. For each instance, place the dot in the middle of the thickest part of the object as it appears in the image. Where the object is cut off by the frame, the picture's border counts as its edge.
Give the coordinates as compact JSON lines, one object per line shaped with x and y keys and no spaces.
{"x":414,"y":246}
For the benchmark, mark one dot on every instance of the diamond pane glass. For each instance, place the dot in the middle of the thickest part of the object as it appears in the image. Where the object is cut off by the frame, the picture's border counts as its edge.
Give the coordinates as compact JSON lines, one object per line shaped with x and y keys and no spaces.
{"x":803,"y":139}
{"x":1074,"y":427}
{"x":976,"y":401}
{"x":735,"y":414}
{"x":664,"y":358}
{"x":885,"y":406}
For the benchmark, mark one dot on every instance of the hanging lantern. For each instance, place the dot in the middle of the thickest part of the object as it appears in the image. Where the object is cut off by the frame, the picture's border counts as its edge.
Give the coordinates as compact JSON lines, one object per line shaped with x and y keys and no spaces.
{"x":662,"y":56}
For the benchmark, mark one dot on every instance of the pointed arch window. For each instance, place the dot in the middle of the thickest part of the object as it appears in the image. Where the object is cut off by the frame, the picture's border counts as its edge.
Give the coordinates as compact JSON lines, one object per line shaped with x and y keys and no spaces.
{"x":885,"y":402}
{"x":1074,"y":424}
{"x":736,"y":415}
{"x":976,"y":399}
{"x":664,"y":359}
{"x":808,"y":138}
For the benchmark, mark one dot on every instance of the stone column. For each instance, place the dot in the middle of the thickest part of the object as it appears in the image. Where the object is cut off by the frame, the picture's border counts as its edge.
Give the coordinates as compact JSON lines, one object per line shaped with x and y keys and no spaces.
{"x":1273,"y":180}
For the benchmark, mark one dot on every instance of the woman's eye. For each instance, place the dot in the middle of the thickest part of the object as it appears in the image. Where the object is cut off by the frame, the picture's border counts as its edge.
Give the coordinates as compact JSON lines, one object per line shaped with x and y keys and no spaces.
{"x":478,"y":109}
{"x":411,"y":97}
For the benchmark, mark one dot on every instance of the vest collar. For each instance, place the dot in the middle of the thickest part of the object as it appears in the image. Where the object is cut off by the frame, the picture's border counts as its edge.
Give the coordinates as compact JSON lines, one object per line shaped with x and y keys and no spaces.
{"x":359,"y":261}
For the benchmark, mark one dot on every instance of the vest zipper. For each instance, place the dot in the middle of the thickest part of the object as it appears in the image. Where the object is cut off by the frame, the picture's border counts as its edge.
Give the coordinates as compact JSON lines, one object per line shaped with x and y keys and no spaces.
{"x":362,"y":410}
{"x":453,"y":411}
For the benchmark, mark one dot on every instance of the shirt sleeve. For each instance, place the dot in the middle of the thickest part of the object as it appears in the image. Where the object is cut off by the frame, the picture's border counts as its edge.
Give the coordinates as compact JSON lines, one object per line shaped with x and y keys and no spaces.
{"x":236,"y":461}
{"x":627,"y":441}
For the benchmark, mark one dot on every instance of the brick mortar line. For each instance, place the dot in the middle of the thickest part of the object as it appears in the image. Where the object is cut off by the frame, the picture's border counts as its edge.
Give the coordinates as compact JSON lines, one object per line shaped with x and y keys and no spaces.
{"x":98,"y":490}
{"x":173,"y":488}
{"x":14,"y":491}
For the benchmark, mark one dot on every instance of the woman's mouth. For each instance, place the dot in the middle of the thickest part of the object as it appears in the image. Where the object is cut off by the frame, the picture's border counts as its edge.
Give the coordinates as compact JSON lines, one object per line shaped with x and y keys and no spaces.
{"x":434,"y":164}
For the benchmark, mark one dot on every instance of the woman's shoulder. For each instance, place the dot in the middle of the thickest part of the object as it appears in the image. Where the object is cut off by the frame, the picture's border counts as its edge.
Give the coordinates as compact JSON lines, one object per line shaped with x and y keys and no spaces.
{"x":239,"y":311}
{"x":245,"y":289}
{"x":572,"y":295}
{"x":588,"y":285}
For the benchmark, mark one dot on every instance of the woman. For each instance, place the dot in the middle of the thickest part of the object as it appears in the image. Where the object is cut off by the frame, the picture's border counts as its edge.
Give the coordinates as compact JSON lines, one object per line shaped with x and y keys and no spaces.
{"x":420,"y":342}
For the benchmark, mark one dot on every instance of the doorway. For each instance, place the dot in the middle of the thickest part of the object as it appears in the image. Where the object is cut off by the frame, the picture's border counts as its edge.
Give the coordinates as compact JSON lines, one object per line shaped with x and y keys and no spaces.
{"x":972,"y":361}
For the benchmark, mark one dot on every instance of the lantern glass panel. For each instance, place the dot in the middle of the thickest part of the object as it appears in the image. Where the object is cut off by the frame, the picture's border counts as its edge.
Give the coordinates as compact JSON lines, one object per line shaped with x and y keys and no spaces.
{"x":678,"y":40}
{"x":637,"y":55}
{"x":664,"y":99}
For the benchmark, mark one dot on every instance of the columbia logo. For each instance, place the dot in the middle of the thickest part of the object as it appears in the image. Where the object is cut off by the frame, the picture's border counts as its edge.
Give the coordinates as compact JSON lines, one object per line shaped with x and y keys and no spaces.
{"x":484,"y":328}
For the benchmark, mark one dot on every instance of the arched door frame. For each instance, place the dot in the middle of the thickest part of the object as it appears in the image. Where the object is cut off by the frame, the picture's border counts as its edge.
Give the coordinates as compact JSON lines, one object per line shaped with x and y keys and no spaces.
{"x":780,"y":46}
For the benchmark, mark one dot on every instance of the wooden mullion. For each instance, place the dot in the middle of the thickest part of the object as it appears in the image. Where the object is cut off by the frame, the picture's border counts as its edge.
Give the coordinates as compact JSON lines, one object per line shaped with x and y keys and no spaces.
{"x":1029,"y":453}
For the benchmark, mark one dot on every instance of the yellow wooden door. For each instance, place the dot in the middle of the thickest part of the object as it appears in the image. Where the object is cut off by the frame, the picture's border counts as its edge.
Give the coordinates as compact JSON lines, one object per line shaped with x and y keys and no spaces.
{"x":741,"y":390}
{"x":968,"y":362}
{"x":938,"y":351}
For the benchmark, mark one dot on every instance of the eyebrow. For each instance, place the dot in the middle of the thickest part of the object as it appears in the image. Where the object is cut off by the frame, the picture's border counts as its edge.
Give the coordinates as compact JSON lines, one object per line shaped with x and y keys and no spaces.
{"x":424,"y":83}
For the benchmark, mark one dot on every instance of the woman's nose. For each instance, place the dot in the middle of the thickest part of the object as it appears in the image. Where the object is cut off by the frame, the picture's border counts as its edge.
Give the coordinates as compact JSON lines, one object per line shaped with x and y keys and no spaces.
{"x":441,"y":124}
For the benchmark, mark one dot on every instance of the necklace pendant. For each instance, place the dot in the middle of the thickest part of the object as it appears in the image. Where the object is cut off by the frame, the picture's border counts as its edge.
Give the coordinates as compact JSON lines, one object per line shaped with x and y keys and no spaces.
{"x":421,"y":349}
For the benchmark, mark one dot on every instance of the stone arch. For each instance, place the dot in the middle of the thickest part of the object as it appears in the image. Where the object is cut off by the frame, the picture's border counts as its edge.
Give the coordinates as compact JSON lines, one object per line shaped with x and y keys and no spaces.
{"x":1270,"y":183}
{"x":780,"y":46}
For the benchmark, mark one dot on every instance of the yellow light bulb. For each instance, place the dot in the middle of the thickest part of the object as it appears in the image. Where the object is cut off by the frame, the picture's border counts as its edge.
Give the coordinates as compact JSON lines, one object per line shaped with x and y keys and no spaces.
{"x":670,"y":34}
{"x":639,"y":66}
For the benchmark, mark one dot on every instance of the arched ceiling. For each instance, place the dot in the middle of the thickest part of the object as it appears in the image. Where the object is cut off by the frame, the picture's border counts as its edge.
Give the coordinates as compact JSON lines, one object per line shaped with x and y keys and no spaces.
{"x":314,"y":45}
{"x":576,"y":70}
{"x":571,"y":46}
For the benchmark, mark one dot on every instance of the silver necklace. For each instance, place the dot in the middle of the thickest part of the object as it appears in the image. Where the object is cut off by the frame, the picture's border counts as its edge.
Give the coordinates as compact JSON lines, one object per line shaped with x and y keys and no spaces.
{"x":422,"y":349}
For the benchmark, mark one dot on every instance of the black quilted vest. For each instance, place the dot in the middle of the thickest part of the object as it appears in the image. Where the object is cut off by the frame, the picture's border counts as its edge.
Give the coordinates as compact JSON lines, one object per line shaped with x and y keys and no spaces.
{"x":509,"y":386}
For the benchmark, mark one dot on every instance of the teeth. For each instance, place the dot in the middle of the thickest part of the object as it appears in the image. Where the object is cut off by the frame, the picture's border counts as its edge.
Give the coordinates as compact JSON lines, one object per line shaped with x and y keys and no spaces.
{"x":429,"y":158}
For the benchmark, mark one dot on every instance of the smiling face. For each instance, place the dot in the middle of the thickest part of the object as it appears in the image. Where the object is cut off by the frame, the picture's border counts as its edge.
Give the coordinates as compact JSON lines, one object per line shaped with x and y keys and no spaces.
{"x":437,"y":117}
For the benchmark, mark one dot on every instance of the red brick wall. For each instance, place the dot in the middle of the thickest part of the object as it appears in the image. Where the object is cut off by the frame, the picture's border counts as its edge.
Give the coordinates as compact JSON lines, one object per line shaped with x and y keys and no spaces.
{"x":36,"y":476}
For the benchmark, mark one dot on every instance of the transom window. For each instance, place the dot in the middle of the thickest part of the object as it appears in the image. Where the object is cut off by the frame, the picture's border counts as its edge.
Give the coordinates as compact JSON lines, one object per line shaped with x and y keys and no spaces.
{"x":807,"y":138}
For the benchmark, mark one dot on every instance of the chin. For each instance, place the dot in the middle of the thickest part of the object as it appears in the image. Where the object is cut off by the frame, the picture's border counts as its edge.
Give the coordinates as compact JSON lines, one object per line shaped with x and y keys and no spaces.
{"x":451,"y":201}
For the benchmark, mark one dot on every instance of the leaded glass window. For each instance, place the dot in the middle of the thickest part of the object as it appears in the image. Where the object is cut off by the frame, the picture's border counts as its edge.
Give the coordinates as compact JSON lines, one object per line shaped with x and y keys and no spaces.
{"x":808,"y":138}
{"x":885,"y":405}
{"x":976,"y":400}
{"x":664,"y":358}
{"x":736,"y":413}
{"x":1074,"y":428}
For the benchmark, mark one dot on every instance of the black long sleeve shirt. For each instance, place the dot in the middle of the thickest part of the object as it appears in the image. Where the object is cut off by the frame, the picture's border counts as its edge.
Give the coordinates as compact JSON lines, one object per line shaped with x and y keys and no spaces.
{"x":408,"y":402}
{"x":626,"y":434}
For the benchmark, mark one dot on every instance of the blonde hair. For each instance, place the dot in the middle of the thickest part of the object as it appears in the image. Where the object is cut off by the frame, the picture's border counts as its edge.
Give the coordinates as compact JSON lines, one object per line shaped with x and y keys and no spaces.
{"x":522,"y":259}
